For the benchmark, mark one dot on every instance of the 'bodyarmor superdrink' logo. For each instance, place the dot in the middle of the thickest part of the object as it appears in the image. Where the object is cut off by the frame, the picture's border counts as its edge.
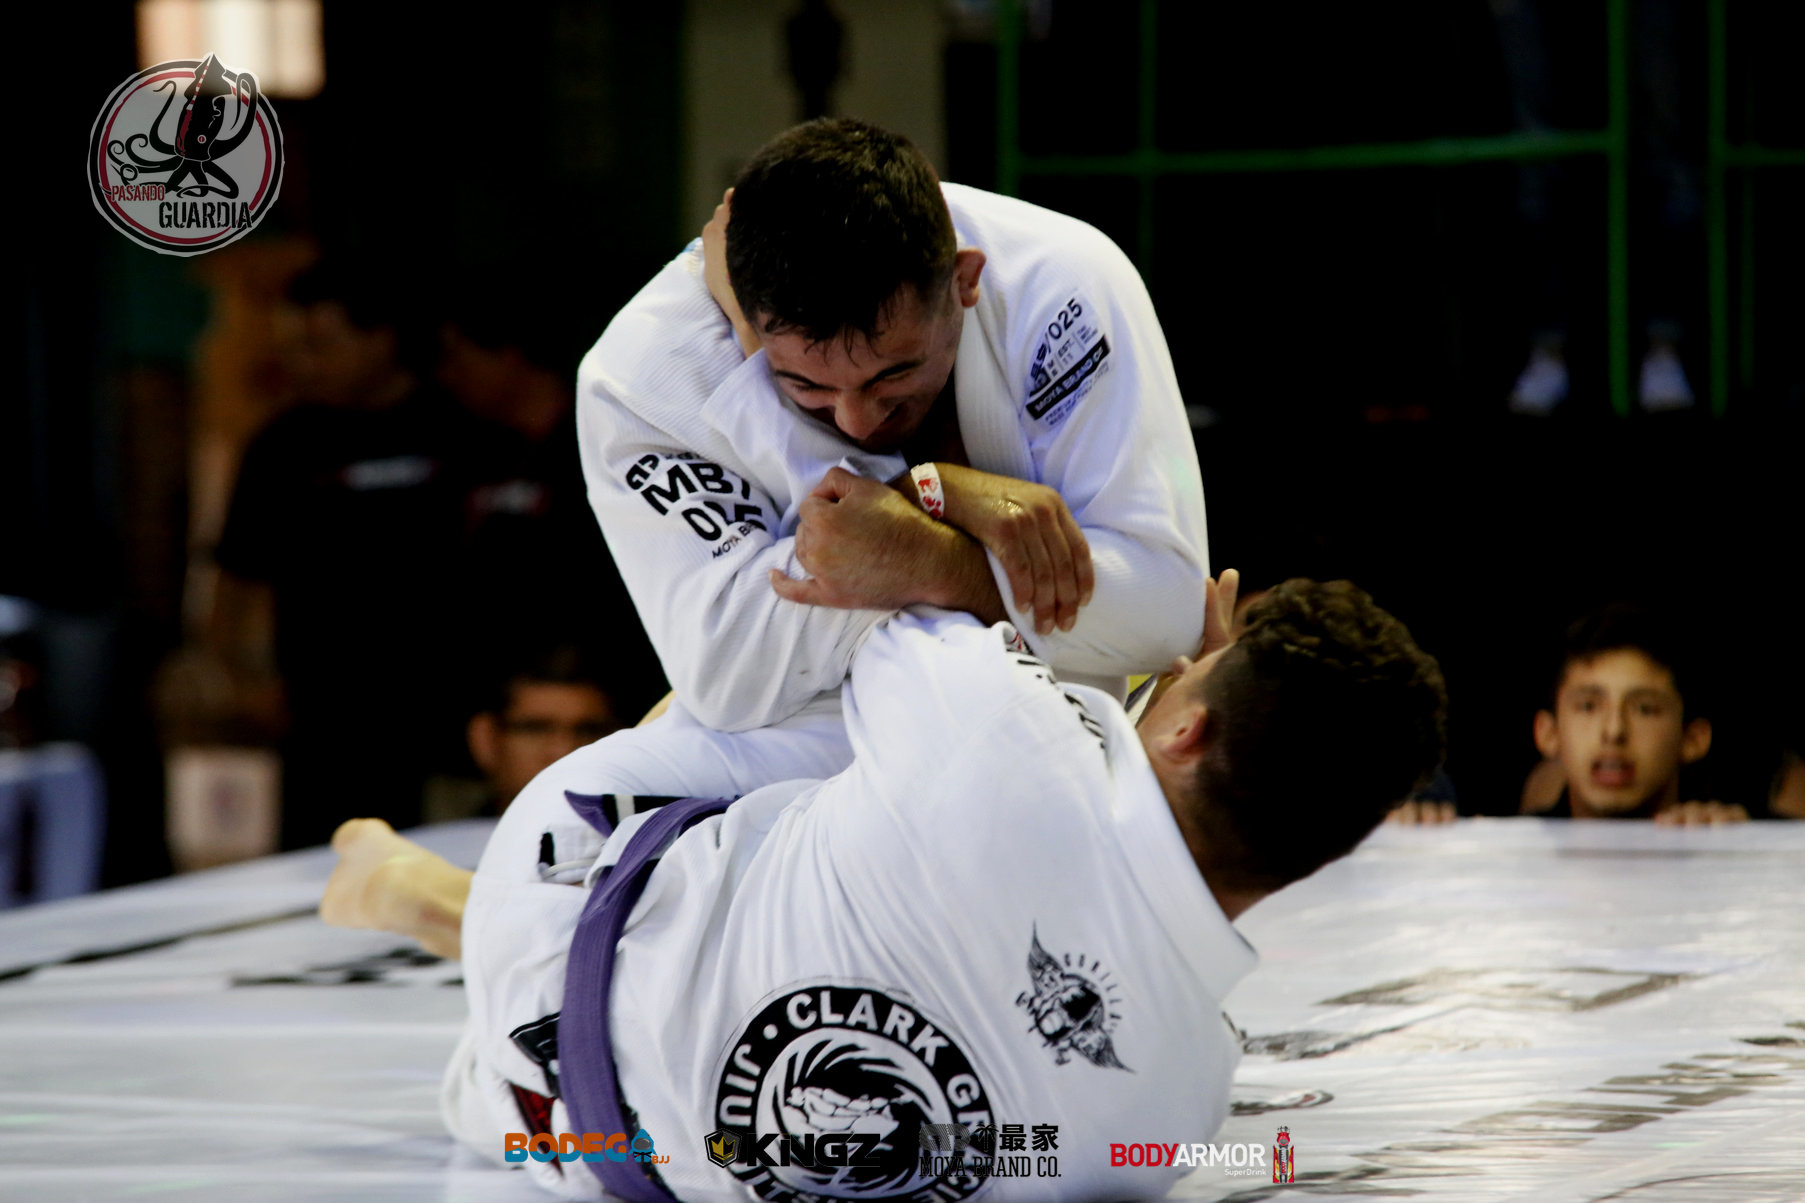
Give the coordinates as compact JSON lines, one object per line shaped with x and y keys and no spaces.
{"x":185,"y":177}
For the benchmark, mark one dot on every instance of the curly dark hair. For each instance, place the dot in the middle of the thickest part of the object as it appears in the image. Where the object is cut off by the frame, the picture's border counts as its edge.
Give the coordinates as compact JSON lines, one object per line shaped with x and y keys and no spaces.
{"x":1326,"y":714}
{"x":830,"y":220}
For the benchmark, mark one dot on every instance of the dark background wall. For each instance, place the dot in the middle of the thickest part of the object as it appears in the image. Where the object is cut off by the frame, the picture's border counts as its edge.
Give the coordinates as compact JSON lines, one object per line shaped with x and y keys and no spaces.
{"x":1355,"y":332}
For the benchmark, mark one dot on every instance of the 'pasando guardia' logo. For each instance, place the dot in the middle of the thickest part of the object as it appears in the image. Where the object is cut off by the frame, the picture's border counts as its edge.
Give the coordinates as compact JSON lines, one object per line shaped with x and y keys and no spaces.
{"x":185,"y":157}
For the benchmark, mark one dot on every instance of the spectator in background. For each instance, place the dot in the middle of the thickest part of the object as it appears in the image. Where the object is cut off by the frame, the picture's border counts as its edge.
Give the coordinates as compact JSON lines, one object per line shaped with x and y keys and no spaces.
{"x":1667,"y":169}
{"x":532,"y":558}
{"x":337,"y":562}
{"x":52,"y":795}
{"x":1786,"y":799}
{"x":1626,"y":715}
{"x":541,"y":711}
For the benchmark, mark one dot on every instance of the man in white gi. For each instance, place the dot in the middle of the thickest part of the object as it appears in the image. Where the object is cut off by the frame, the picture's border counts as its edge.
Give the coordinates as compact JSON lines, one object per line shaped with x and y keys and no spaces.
{"x":1011,"y":912}
{"x":1009,"y":354}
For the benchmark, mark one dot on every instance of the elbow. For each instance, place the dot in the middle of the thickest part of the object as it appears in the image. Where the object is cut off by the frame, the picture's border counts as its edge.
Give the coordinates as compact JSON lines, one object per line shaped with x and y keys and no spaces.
{"x":1176,"y":631}
{"x":732,"y":696}
{"x":1138,"y":629}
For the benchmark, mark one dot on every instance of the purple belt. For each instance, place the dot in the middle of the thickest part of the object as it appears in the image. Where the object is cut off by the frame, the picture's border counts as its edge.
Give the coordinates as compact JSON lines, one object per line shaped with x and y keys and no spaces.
{"x":589,"y":1084}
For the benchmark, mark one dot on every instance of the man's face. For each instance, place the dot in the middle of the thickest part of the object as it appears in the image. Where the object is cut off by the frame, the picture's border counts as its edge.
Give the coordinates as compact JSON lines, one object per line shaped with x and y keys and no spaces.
{"x":543,"y":723}
{"x":339,"y":363}
{"x":878,"y":391}
{"x":1618,"y":731}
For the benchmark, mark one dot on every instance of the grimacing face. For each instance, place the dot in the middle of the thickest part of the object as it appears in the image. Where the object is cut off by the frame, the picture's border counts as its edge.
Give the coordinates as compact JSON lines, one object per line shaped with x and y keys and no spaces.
{"x":1619,"y":732}
{"x":878,"y":391}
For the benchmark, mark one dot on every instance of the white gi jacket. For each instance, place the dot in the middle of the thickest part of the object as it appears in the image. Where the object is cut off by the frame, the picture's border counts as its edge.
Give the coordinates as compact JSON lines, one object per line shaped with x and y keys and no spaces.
{"x":991,"y":918}
{"x":696,"y":466}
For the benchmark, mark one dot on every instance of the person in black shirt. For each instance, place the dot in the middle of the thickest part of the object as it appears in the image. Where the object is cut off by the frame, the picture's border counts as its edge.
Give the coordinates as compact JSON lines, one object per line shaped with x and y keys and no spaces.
{"x":345,"y":523}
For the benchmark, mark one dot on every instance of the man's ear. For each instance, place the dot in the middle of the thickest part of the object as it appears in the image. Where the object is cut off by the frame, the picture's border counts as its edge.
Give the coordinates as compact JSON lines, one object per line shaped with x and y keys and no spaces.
{"x":484,"y":734}
{"x":1548,"y":734}
{"x":968,"y":265}
{"x":1186,"y":734}
{"x":1695,"y":741}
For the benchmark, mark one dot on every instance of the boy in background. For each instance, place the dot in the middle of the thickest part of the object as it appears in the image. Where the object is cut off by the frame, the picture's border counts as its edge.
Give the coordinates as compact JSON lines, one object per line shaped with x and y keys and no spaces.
{"x":1624,"y":720}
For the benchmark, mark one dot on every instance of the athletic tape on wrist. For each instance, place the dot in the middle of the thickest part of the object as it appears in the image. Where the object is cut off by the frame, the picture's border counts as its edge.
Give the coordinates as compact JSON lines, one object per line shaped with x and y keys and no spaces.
{"x":928,"y":488}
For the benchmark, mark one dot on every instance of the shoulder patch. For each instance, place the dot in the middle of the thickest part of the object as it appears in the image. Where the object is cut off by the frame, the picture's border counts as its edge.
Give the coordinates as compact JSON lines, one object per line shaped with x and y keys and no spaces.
{"x":718,"y":506}
{"x":1070,"y":355}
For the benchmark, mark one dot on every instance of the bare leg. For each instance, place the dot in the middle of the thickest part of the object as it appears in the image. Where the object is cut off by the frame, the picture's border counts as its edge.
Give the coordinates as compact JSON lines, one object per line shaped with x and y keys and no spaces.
{"x":386,"y":883}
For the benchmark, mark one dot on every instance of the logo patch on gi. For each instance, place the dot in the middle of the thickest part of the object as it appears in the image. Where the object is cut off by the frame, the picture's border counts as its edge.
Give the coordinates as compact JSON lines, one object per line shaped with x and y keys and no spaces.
{"x":1072,"y":1002}
{"x":1071,"y":353}
{"x":846,"y":1064}
{"x":717,"y":505}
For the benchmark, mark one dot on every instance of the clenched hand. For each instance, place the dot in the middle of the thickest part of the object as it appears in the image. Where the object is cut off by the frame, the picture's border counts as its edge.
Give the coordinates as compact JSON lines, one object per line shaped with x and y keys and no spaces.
{"x":1032,"y":533}
{"x":866,"y":548}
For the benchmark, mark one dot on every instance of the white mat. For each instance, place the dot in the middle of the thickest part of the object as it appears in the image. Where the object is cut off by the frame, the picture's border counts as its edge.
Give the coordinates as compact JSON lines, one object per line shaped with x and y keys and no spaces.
{"x":1508,"y":1009}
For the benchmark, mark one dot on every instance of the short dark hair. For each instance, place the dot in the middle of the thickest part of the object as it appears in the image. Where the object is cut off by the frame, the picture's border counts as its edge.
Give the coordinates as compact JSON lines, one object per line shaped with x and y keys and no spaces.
{"x":375,"y":296}
{"x":830,"y":220}
{"x":564,"y":663}
{"x":1326,"y":715}
{"x":499,"y":307}
{"x":1625,"y":626}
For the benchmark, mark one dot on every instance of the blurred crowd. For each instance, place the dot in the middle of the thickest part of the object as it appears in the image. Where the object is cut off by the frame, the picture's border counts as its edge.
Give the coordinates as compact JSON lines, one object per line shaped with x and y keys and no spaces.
{"x":394,"y":533}
{"x":397,"y":603}
{"x":408,"y":609}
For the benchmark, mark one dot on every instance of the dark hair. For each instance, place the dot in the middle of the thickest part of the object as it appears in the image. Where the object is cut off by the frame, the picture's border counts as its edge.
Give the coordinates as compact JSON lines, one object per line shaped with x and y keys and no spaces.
{"x":830,"y":221}
{"x":1326,"y":715}
{"x":374,"y":297}
{"x":497,"y":308}
{"x":1621,"y":626}
{"x":554,"y":664}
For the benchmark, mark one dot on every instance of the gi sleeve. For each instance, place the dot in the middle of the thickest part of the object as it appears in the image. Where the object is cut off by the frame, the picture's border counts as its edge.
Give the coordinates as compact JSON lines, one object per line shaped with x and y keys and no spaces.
{"x":948,"y":716}
{"x":1107,"y":428}
{"x":694,"y":542}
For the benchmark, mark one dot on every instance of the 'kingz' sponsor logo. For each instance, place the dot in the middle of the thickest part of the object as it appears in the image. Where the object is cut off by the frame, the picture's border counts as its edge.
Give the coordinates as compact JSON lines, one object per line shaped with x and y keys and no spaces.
{"x":825,"y":1092}
{"x":807,"y":1150}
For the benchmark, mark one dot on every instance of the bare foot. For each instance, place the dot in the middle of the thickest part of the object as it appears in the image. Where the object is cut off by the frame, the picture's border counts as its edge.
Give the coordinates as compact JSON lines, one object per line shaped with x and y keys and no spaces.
{"x":386,"y":883}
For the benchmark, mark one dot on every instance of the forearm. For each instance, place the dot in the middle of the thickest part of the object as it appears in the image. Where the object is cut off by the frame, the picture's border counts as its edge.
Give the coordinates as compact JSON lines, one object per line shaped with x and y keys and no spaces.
{"x":961,"y":578}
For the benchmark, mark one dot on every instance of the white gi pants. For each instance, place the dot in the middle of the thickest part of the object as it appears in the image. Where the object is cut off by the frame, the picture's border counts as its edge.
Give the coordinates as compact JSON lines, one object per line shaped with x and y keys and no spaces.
{"x":518,"y":926}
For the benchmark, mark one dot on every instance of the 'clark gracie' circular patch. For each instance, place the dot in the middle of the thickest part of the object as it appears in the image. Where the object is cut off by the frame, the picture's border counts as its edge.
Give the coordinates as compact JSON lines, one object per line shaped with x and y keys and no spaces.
{"x":828,"y":1088}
